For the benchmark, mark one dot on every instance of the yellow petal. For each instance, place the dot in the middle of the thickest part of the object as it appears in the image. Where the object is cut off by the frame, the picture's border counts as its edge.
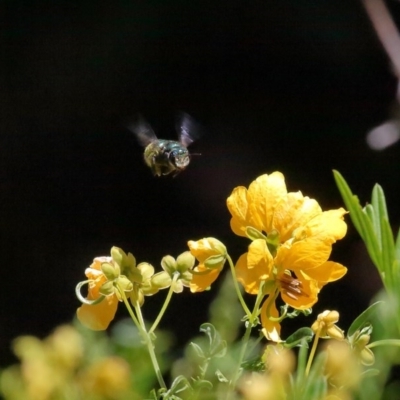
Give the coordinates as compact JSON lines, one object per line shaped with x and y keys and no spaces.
{"x":97,"y":317}
{"x":329,"y":271}
{"x":255,"y":266}
{"x":199,"y":283}
{"x":271,"y":329}
{"x":329,"y":226}
{"x":263,"y":196}
{"x":207,"y":247}
{"x":238,"y":206}
{"x":307,"y":297}
{"x":294,"y":211}
{"x":303,"y":255}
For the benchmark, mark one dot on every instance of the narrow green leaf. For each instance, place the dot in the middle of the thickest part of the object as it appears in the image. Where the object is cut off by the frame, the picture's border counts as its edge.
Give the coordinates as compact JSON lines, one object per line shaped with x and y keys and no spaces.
{"x":179,"y":384}
{"x":202,"y":384}
{"x":218,"y":346}
{"x":369,"y":373}
{"x":220,"y":376}
{"x":360,"y":219}
{"x":379,"y":202}
{"x":351,"y":201}
{"x":198,"y":350}
{"x":363,"y":318}
{"x":301,"y":365}
{"x":398,"y":245}
{"x":396,"y":273}
{"x":388,"y":252}
{"x":296,"y":338}
{"x":316,"y":385}
{"x":375,"y":221}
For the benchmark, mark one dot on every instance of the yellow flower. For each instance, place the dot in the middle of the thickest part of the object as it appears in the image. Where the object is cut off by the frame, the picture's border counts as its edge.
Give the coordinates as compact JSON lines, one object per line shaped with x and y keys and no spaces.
{"x":291,"y":242}
{"x":108,"y":378}
{"x":97,"y":316}
{"x":211,"y":254}
{"x":325,"y":326}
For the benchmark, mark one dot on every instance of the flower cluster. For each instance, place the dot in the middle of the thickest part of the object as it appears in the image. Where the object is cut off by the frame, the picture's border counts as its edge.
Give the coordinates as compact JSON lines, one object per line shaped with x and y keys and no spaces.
{"x":291,"y":241}
{"x":58,"y":368}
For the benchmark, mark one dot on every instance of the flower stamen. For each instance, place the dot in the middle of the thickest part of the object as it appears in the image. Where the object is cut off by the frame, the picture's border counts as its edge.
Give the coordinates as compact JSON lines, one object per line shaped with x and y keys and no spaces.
{"x":292,"y":287}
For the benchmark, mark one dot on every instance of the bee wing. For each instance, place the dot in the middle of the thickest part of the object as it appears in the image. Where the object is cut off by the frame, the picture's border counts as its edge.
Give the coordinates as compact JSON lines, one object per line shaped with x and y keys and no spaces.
{"x":188,"y":129}
{"x":143,"y":131}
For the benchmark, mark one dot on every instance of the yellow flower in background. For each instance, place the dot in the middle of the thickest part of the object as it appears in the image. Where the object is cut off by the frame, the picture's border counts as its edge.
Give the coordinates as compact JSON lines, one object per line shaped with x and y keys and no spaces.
{"x":325,"y":325}
{"x":108,"y":378}
{"x":97,"y":316}
{"x":291,"y":243}
{"x":211,"y":255}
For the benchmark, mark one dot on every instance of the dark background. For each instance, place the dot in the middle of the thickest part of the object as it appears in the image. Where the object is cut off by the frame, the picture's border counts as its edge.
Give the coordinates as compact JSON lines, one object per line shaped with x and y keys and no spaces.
{"x":277,"y":85}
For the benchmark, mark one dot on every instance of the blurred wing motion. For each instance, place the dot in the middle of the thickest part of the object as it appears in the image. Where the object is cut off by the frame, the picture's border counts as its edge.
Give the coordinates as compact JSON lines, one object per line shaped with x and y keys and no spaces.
{"x":187,"y":128}
{"x":143,"y":131}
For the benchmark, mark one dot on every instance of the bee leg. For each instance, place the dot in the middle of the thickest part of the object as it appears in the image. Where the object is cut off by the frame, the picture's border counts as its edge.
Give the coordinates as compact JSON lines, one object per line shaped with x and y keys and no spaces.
{"x":176,"y":172}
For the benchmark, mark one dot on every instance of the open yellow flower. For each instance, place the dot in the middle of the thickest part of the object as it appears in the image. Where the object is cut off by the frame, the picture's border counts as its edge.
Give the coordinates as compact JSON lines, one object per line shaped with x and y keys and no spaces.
{"x":211,"y":254}
{"x":291,"y":243}
{"x":97,"y":316}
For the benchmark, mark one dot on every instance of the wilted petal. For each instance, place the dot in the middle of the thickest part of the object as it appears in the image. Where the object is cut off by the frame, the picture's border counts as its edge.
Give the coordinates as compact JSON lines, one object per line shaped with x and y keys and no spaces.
{"x":97,"y":317}
{"x":199,"y":283}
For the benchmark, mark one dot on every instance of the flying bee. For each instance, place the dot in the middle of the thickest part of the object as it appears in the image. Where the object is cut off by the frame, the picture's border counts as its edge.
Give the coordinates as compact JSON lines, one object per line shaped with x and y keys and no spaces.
{"x":163,"y":156}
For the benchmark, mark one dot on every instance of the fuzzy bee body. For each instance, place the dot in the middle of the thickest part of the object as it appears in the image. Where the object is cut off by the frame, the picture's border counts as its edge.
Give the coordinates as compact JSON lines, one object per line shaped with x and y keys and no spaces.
{"x":163,"y":156}
{"x":166,"y":156}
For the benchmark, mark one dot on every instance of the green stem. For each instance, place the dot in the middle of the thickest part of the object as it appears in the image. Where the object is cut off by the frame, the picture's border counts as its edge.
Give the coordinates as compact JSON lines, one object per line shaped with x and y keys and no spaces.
{"x":165,"y":305}
{"x":245,"y":342}
{"x":237,"y":288}
{"x":139,"y":321}
{"x":132,"y":314}
{"x":312,"y":353}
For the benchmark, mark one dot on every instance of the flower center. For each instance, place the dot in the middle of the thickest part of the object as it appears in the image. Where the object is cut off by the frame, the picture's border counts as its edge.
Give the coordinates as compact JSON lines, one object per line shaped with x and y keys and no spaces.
{"x":291,"y":286}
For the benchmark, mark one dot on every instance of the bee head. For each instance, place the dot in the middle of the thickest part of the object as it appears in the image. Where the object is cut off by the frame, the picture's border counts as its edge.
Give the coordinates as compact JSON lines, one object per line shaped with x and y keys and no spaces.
{"x":180,"y":157}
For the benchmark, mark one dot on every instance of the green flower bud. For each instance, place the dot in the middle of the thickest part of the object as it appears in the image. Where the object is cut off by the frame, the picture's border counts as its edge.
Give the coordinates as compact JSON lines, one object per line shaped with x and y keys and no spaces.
{"x":107,"y":288}
{"x":185,"y":261}
{"x":110,"y":271}
{"x":168,"y":264}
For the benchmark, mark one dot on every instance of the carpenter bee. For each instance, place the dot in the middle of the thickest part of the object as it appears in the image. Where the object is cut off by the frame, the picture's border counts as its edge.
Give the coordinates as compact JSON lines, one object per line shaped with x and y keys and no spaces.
{"x":166,"y":157}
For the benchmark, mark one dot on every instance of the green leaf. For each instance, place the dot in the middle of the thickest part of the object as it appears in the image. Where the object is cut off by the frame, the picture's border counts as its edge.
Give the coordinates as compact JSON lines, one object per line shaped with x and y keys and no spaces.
{"x":221,"y":377}
{"x":297,"y":337}
{"x":316,"y":383}
{"x":201,"y":384}
{"x":197,"y":349}
{"x":179,"y":384}
{"x":388,"y":252}
{"x":363,"y":319}
{"x":379,"y":202}
{"x":218,"y":346}
{"x":397,"y":248}
{"x":369,"y":373}
{"x":361,"y":220}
